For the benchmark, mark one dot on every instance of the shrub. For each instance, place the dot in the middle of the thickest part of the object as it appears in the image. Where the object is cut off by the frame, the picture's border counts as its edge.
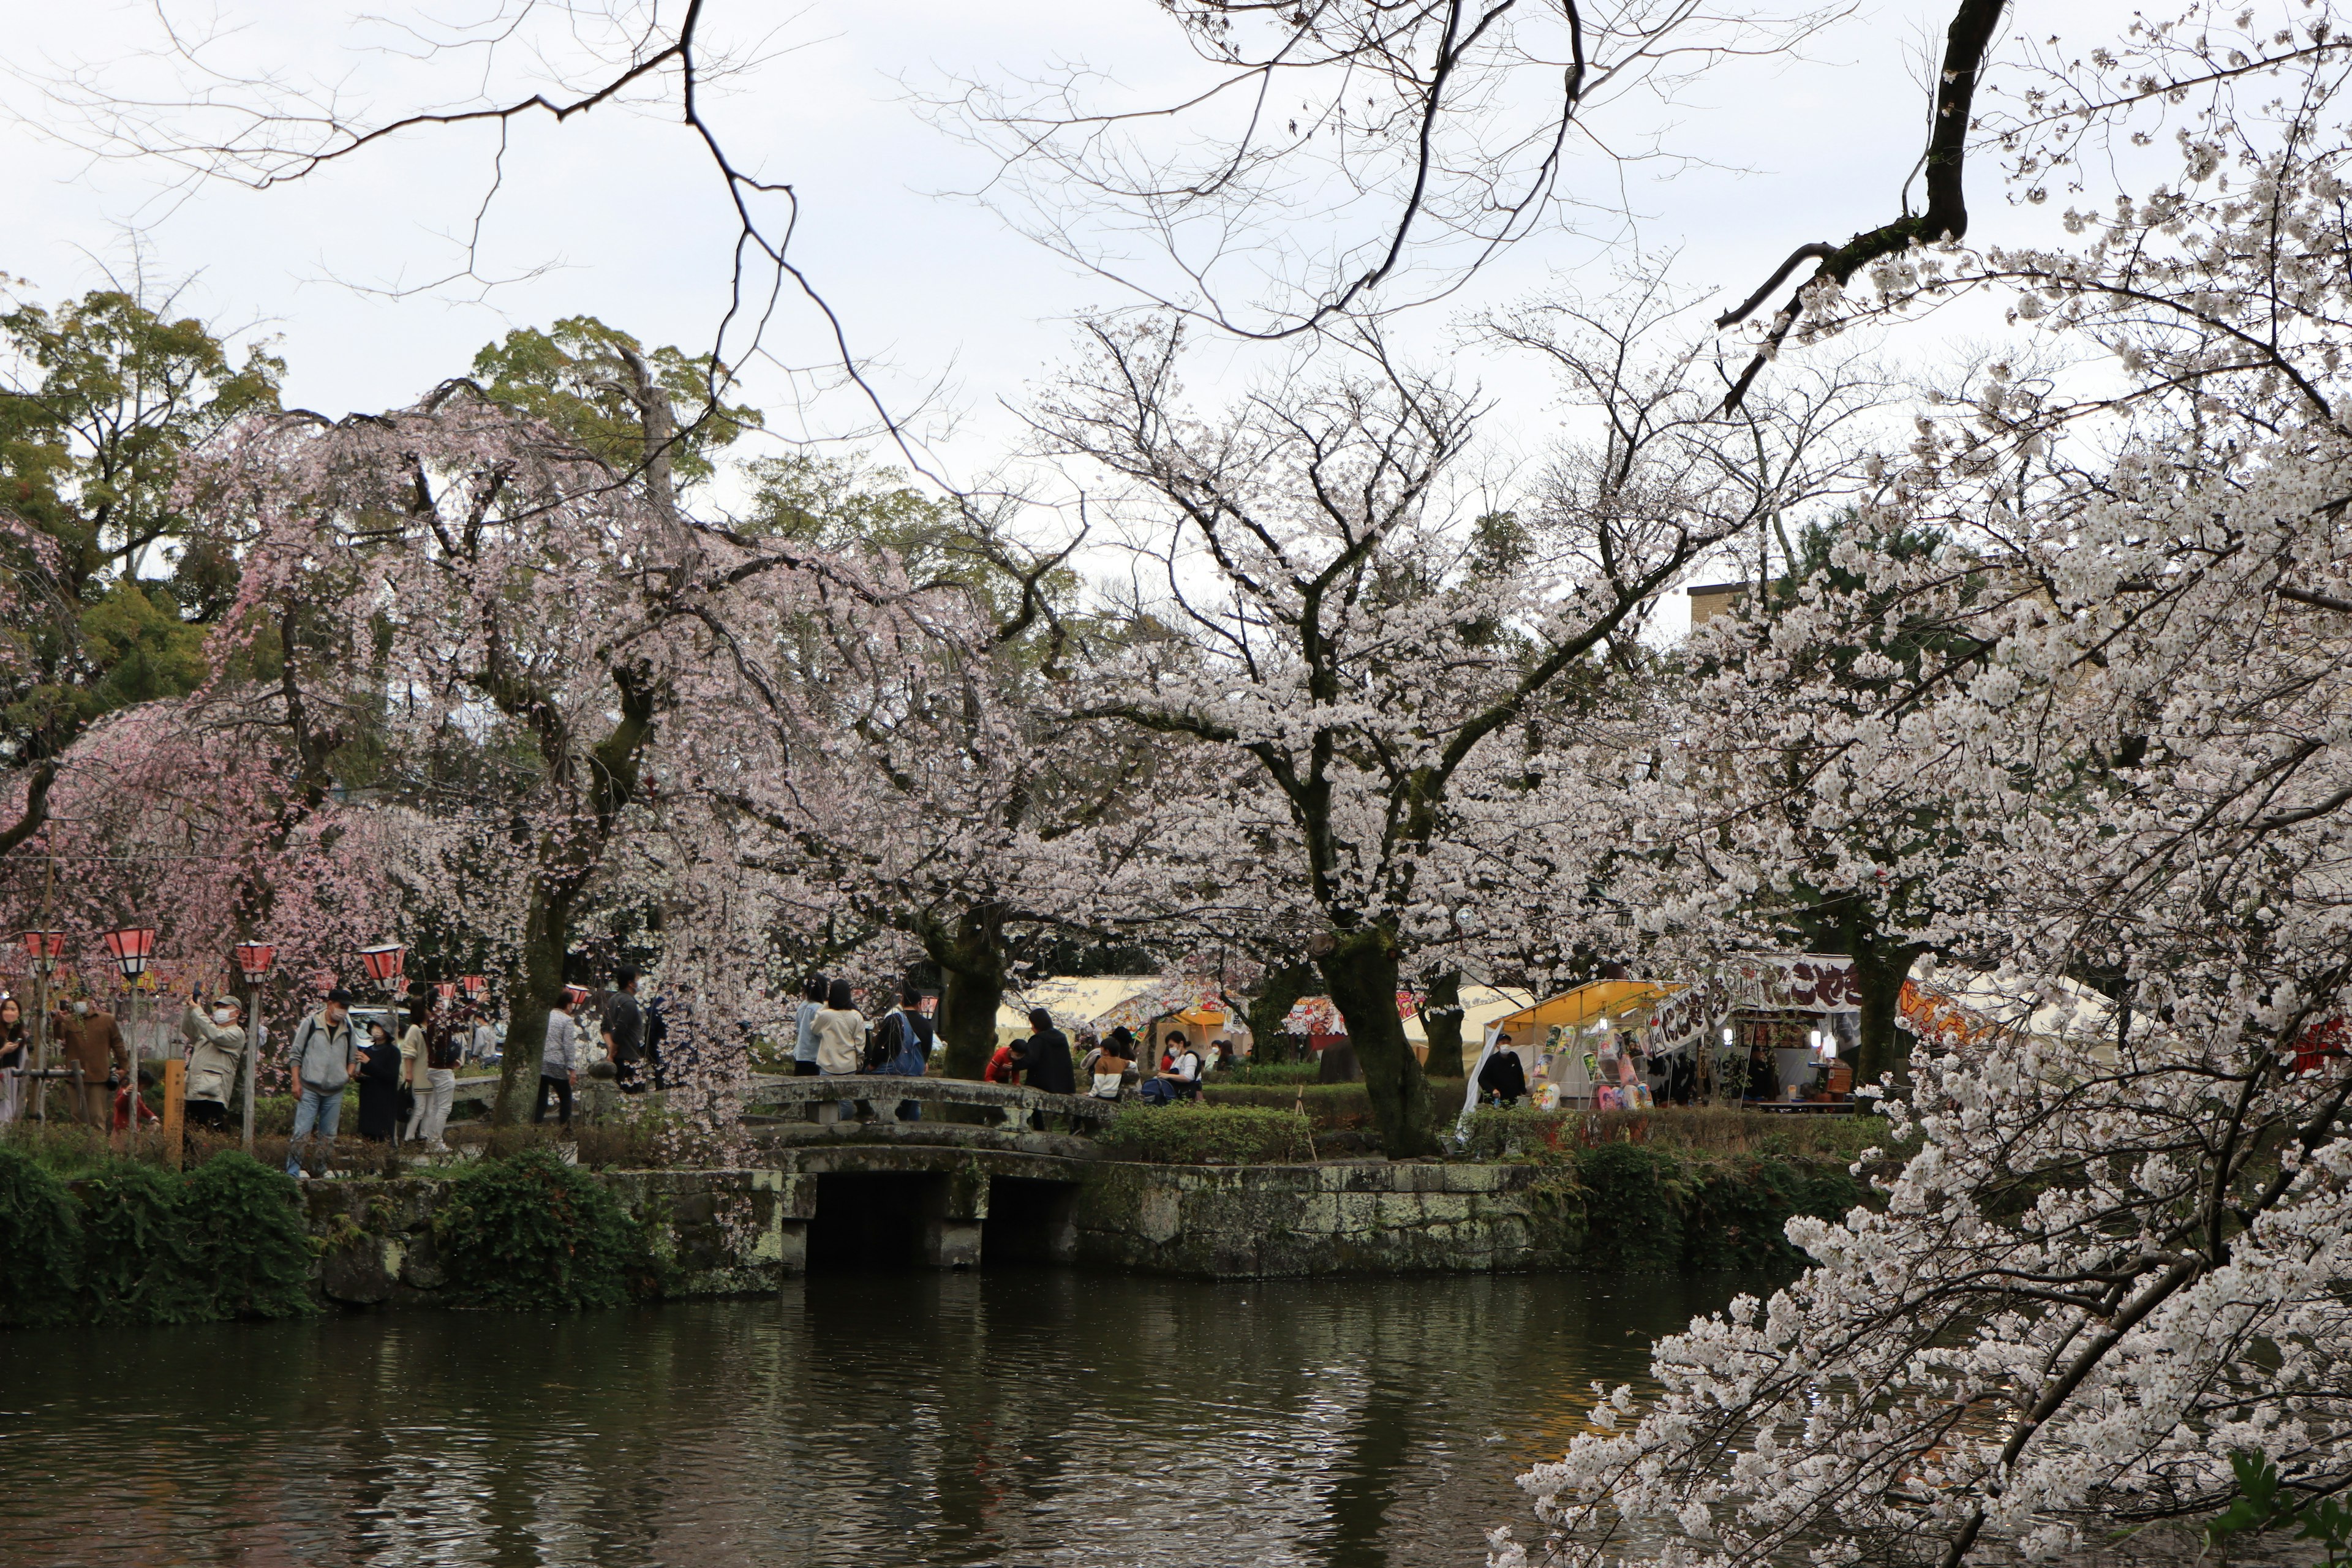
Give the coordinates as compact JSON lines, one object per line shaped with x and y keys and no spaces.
{"x":246,"y":1236}
{"x":529,"y":1231}
{"x":38,"y":1246}
{"x":1635,"y":1202}
{"x":1327,"y":1105}
{"x":1262,"y":1073}
{"x":136,"y":1266}
{"x":1209,"y":1135}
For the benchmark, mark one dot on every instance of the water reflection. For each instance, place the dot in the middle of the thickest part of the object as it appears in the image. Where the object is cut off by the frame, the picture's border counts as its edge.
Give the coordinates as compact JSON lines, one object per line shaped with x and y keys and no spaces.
{"x":1019,"y":1417}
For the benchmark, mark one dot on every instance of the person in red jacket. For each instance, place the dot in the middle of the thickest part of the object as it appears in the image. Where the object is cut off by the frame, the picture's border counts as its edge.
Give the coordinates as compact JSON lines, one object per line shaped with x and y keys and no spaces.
{"x":1000,"y":1068}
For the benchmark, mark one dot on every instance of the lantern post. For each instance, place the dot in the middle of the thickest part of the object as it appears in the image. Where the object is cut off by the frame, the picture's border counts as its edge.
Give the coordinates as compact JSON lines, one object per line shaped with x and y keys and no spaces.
{"x":130,"y":947}
{"x":255,"y":958}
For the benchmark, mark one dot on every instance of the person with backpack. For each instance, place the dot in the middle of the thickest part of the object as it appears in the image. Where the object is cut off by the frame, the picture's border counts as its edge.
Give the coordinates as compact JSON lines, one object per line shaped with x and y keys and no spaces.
{"x":900,"y":1048}
{"x":322,"y":1057}
{"x":1181,"y":1078}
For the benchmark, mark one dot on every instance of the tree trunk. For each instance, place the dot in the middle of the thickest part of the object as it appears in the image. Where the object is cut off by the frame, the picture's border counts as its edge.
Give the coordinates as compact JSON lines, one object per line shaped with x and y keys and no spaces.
{"x":1361,"y":969}
{"x":972,"y":984}
{"x":1277,"y":995}
{"x":1441,"y":1020}
{"x":532,"y":988}
{"x":1880,"y":968}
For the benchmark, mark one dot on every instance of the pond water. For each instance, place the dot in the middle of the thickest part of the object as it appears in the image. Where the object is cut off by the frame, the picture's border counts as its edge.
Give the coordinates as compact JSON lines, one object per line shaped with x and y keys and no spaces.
{"x":1011,"y":1416}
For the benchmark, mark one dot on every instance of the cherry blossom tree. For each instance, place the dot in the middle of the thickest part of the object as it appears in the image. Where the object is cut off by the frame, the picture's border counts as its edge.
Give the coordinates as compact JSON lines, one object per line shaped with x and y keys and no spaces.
{"x":2106,"y":1276}
{"x":1342,"y":631}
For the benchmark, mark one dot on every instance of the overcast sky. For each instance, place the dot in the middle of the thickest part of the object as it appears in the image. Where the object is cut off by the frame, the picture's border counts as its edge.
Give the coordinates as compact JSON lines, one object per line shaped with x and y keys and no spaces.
{"x":936,"y":288}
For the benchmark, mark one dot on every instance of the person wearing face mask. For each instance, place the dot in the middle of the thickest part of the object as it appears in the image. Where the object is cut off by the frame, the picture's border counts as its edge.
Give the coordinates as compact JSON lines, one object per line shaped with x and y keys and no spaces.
{"x":15,"y":1056}
{"x":89,"y":1039}
{"x":216,"y":1037}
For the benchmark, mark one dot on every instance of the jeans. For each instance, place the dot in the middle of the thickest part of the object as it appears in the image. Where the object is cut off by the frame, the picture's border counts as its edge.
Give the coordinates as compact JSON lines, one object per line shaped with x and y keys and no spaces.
{"x":433,"y":1104}
{"x":319,"y":1108}
{"x":561,"y":1087}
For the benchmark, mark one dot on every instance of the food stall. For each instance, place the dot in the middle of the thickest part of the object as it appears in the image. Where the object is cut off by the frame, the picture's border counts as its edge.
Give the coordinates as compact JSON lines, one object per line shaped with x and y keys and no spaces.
{"x":1582,"y":1047}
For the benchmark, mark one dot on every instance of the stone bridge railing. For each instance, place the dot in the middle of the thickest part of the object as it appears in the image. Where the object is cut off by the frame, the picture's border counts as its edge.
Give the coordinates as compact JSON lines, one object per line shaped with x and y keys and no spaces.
{"x":820,"y":1100}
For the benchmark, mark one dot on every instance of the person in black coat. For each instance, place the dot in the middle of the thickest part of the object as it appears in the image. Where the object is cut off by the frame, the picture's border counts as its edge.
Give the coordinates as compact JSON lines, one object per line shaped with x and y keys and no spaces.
{"x":379,"y":1081}
{"x":1504,"y":1076}
{"x":1045,"y":1059}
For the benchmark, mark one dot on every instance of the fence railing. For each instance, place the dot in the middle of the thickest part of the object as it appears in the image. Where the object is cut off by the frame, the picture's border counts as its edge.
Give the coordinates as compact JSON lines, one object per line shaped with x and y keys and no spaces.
{"x":802,"y":1096}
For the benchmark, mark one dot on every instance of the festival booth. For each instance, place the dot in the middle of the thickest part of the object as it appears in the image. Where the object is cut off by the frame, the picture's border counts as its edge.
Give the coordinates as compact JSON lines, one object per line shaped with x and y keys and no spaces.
{"x":1581,"y":1048}
{"x":1153,"y":1005}
{"x":1768,"y":1031}
{"x":1318,"y":1018}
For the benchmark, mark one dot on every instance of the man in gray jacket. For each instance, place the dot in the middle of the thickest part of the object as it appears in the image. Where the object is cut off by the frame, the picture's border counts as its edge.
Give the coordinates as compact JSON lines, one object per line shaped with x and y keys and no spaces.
{"x":323,"y":1055}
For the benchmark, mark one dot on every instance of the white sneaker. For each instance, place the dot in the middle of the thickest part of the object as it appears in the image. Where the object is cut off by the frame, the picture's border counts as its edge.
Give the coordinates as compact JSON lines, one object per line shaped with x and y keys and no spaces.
{"x":301,"y":1175}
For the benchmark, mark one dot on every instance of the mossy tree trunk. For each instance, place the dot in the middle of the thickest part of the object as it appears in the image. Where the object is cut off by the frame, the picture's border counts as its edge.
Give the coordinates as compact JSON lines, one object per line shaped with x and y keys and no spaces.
{"x":1277,"y":995}
{"x":1361,"y":969}
{"x":971,"y":955}
{"x":1441,"y":1023}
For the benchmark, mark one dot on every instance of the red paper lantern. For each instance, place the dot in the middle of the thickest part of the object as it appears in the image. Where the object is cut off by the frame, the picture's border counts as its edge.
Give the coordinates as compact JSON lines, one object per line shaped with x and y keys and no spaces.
{"x":46,"y":947}
{"x":384,"y":964}
{"x":576,"y":994}
{"x":445,"y":989}
{"x":475,"y":984}
{"x":255,"y":958}
{"x":130,"y":947}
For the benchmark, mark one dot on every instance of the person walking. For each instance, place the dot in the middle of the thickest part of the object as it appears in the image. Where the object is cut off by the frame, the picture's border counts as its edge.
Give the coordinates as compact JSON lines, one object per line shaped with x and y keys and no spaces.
{"x":14,"y":1058}
{"x":444,"y":1047}
{"x":624,"y":1032}
{"x":216,"y":1040}
{"x":559,"y":1062}
{"x":805,"y":1028}
{"x":322,"y":1057}
{"x":379,"y":1085}
{"x":89,"y":1038}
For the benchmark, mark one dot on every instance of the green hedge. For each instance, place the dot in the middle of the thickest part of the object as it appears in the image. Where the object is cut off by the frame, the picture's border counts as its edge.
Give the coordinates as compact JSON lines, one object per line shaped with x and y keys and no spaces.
{"x":134,"y":1244}
{"x":1209,"y":1135}
{"x":529,"y":1231}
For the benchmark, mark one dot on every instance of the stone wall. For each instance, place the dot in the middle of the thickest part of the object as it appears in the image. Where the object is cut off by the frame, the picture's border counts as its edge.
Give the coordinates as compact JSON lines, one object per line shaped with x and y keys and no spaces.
{"x":1254,"y":1221}
{"x":725,"y":1233}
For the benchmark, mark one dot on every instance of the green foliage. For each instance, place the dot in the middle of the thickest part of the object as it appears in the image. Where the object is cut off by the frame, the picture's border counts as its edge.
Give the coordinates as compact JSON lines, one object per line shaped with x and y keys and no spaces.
{"x":1258,"y":1075}
{"x":246,"y":1237}
{"x":1209,"y":1135}
{"x":144,"y":1245}
{"x":529,"y":1231}
{"x":100,"y":401}
{"x":1636,"y":1198}
{"x":579,"y":377}
{"x":1663,"y":1202}
{"x":1330,"y":1106}
{"x":40,"y":1249}
{"x":2264,"y":1504}
{"x":136,"y":1266}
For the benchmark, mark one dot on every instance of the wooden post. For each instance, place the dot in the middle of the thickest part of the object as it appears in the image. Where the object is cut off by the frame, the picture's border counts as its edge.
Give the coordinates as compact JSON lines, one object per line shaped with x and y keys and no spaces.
{"x":175,"y":1085}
